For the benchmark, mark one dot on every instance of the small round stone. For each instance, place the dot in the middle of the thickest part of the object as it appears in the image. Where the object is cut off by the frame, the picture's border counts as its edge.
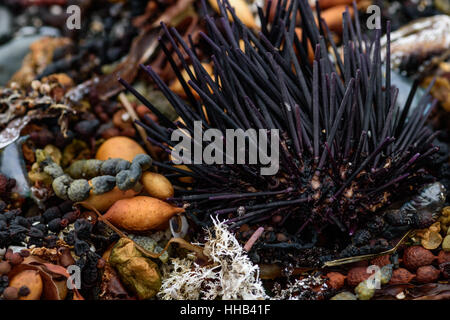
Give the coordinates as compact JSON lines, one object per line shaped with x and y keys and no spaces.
{"x":446,"y":243}
{"x":365,"y":290}
{"x":345,"y":295}
{"x":11,"y":293}
{"x":5,"y":267}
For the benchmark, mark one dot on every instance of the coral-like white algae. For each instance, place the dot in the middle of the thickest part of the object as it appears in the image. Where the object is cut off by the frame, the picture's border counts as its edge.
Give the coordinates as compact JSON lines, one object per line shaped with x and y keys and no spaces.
{"x":230,"y":275}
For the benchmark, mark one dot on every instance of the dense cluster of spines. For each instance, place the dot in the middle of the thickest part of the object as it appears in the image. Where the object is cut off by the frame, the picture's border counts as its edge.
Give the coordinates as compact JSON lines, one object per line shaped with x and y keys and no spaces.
{"x":346,"y":145}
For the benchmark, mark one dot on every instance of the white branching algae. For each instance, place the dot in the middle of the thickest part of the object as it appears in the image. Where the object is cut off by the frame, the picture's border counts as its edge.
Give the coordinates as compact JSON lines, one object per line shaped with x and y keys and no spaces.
{"x":230,"y":275}
{"x":312,"y":287}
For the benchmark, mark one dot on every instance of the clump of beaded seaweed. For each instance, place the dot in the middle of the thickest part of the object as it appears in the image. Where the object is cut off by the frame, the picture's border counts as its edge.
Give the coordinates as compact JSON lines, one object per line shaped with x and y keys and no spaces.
{"x":346,"y":147}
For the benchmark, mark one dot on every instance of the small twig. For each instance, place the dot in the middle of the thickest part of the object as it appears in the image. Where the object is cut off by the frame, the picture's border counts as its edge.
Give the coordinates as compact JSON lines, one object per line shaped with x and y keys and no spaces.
{"x":367,"y":256}
{"x":253,"y":239}
{"x":130,"y":110}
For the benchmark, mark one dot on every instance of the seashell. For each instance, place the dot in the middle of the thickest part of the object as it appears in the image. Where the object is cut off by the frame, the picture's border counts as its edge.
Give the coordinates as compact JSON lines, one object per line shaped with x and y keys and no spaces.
{"x":179,"y":226}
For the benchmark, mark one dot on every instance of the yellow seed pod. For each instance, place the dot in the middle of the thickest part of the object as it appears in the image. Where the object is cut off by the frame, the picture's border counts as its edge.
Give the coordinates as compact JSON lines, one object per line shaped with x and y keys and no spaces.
{"x":157,"y":185}
{"x":119,"y":147}
{"x":32,"y":280}
{"x":178,"y":88}
{"x":242,"y":10}
{"x":185,"y":168}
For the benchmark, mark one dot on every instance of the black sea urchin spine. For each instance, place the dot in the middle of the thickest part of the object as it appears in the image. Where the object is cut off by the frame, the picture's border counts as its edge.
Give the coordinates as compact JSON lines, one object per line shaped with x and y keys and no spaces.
{"x":346,"y":145}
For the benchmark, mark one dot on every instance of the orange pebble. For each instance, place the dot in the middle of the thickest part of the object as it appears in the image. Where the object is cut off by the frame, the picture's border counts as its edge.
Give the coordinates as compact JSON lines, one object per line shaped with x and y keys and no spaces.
{"x":381,"y":261}
{"x":357,"y":275}
{"x":336,"y":280}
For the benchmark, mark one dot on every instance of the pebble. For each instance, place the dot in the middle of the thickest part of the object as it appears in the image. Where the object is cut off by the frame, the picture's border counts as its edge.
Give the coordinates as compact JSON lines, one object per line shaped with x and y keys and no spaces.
{"x":5,"y":267}
{"x":344,"y":296}
{"x":404,"y":85}
{"x":11,"y":293}
{"x":150,"y":245}
{"x":12,"y":54}
{"x":49,"y":31}
{"x":26,"y":31}
{"x":401,"y":296}
{"x":386,"y":273}
{"x":5,"y":24}
{"x":446,"y":243}
{"x":16,"y":249}
{"x":282,"y":237}
{"x":365,"y":290}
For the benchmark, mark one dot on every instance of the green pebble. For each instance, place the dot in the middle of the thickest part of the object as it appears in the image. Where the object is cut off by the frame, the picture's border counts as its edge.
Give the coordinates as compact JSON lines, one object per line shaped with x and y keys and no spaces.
{"x":386,"y":273}
{"x":446,"y":243}
{"x":151,"y":245}
{"x":145,"y":242}
{"x":345,"y":295}
{"x":164,"y":257}
{"x":364,"y":291}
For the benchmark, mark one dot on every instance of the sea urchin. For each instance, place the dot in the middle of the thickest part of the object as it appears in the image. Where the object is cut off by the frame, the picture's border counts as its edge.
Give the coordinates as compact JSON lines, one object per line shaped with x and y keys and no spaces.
{"x":346,"y":146}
